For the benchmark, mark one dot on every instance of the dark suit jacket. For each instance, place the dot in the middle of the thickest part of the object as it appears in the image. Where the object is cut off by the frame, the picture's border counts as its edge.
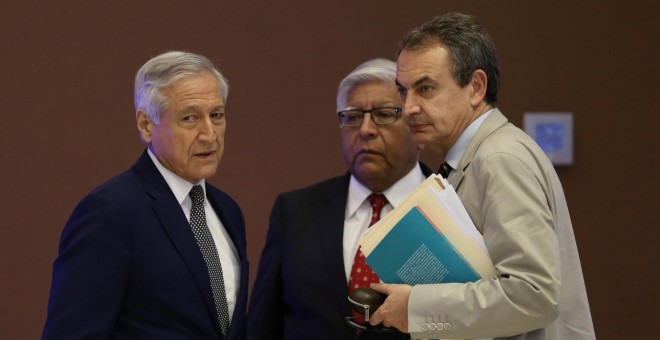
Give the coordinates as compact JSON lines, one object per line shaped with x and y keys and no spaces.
{"x":301,"y":291}
{"x":129,"y":265}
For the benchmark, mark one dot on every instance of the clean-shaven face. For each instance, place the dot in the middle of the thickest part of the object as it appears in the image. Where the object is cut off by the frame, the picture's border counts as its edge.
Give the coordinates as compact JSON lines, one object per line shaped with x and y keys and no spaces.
{"x":436,"y":107}
{"x":377,"y":155}
{"x":189,"y":140}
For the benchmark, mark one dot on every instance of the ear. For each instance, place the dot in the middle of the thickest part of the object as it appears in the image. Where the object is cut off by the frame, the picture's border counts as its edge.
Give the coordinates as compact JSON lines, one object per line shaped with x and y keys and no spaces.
{"x":479,"y":84}
{"x":144,"y":125}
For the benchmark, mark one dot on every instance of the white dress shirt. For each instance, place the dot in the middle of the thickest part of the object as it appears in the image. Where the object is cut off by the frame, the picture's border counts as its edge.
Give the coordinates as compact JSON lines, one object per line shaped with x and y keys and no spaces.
{"x":458,"y":149}
{"x":358,"y":210}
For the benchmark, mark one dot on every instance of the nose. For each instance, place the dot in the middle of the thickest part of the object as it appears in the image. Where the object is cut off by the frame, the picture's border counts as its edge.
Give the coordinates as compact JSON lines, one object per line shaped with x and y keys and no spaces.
{"x":368,"y":128}
{"x":206,"y":130}
{"x":410,"y":106}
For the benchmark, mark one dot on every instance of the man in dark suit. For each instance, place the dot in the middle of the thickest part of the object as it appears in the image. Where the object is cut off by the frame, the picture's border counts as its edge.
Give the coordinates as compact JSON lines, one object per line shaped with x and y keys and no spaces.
{"x":140,"y":257}
{"x":303,"y":279}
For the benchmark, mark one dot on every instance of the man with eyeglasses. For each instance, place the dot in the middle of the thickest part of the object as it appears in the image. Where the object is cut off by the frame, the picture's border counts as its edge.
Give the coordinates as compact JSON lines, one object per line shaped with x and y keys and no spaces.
{"x":307,"y":265}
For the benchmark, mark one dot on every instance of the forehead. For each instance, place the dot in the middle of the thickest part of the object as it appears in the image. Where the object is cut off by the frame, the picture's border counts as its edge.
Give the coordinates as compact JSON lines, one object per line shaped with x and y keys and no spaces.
{"x":373,"y":91}
{"x":201,"y":87}
{"x":428,"y":63}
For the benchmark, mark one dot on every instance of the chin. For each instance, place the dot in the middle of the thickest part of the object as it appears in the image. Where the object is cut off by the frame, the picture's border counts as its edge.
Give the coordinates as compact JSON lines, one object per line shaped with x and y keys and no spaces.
{"x":370,"y":167}
{"x":369,"y":174}
{"x":422,"y":139}
{"x":206,"y":173}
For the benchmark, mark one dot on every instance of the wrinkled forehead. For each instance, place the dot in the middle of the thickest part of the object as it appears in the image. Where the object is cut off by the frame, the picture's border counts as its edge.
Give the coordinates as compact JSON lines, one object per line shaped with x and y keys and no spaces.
{"x":415,"y":66}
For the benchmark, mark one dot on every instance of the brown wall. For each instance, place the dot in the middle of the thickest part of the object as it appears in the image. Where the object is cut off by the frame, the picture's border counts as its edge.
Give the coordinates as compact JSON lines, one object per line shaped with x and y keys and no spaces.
{"x":66,"y":71}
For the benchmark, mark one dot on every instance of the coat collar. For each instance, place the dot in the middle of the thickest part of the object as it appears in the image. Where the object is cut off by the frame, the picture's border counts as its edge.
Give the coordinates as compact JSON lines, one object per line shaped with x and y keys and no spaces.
{"x":331,"y":227}
{"x":494,"y":121}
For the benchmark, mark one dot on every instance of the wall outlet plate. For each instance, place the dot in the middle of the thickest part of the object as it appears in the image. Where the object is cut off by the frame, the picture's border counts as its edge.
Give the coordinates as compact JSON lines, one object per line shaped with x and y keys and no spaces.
{"x":553,"y":132}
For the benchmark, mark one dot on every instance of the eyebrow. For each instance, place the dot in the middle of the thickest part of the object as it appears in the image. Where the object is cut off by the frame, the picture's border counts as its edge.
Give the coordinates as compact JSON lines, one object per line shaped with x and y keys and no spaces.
{"x":197,"y":108}
{"x":425,"y":79}
{"x":379,"y":106}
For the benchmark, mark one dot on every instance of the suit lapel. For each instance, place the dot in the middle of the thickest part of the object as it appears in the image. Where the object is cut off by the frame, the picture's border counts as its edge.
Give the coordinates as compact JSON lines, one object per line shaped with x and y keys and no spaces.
{"x":331,"y":230}
{"x":494,"y":121}
{"x":238,"y":240}
{"x":425,"y":169}
{"x":173,"y":220}
{"x":228,"y":223}
{"x":179,"y":232}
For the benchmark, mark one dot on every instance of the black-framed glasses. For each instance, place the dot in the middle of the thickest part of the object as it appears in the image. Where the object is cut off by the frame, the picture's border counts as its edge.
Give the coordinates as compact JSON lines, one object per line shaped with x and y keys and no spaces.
{"x":379,"y":115}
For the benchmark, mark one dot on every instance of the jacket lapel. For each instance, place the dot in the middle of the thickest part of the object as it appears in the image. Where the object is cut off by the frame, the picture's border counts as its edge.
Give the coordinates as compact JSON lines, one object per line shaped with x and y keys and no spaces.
{"x":331,"y":232}
{"x":238,"y":240}
{"x":173,"y":220}
{"x":229,"y":224}
{"x":494,"y":121}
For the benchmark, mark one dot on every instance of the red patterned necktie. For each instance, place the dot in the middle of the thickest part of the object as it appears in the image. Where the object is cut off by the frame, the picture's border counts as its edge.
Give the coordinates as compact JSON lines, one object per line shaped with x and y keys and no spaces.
{"x":362,"y":275}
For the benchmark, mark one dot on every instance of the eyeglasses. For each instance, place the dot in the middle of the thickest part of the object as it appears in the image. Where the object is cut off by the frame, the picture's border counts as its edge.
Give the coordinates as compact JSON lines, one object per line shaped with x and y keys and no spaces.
{"x":379,"y":115}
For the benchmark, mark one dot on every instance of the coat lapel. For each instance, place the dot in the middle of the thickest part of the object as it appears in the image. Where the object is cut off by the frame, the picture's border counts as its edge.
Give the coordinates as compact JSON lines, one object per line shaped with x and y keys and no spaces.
{"x":229,"y":224}
{"x":331,"y":230}
{"x":238,"y":239}
{"x":492,"y":123}
{"x":173,"y":220}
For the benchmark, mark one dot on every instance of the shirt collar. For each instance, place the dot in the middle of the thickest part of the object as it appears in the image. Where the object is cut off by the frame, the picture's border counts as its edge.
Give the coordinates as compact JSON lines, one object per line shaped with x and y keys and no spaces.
{"x":397,"y":193}
{"x":456,"y":151}
{"x":179,"y":186}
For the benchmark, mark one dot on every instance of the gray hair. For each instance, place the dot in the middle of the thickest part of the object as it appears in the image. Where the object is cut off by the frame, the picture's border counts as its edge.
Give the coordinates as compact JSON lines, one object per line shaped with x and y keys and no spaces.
{"x":163,"y":70}
{"x":470,"y":48}
{"x":379,"y":70}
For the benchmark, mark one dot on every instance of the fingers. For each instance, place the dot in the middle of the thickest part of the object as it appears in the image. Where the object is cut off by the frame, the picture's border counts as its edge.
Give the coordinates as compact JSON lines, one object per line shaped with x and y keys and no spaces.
{"x":376,"y":318}
{"x":394,"y":311}
{"x":381,"y":288}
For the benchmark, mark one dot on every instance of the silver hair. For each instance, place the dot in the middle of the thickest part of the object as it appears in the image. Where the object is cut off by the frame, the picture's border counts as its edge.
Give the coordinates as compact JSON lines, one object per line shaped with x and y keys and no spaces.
{"x":163,"y":70}
{"x":374,"y":70}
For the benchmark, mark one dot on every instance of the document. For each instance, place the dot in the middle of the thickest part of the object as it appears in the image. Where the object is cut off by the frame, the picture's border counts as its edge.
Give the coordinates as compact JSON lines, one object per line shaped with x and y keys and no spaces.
{"x":429,"y":238}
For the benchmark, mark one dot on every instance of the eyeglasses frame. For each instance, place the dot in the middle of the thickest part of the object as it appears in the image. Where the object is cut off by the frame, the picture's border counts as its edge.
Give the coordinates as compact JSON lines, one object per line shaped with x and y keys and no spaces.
{"x":397,"y":110}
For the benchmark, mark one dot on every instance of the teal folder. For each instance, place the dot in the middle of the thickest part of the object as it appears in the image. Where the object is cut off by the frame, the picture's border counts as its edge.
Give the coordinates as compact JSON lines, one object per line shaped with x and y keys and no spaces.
{"x":415,"y":252}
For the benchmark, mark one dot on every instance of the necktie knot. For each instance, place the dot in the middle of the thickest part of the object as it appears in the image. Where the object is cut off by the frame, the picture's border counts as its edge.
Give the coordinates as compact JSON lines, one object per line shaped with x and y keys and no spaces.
{"x":445,"y":169}
{"x":197,"y":195}
{"x":377,"y":202}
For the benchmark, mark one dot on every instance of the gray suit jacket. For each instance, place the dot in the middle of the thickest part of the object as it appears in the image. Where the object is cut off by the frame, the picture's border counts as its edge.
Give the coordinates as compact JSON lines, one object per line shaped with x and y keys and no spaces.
{"x":513,"y":195}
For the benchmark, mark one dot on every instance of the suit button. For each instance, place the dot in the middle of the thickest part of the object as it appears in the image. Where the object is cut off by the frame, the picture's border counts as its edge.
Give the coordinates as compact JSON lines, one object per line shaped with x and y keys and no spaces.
{"x":440,"y":326}
{"x":447,"y":326}
{"x":432,"y":326}
{"x":425,"y":327}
